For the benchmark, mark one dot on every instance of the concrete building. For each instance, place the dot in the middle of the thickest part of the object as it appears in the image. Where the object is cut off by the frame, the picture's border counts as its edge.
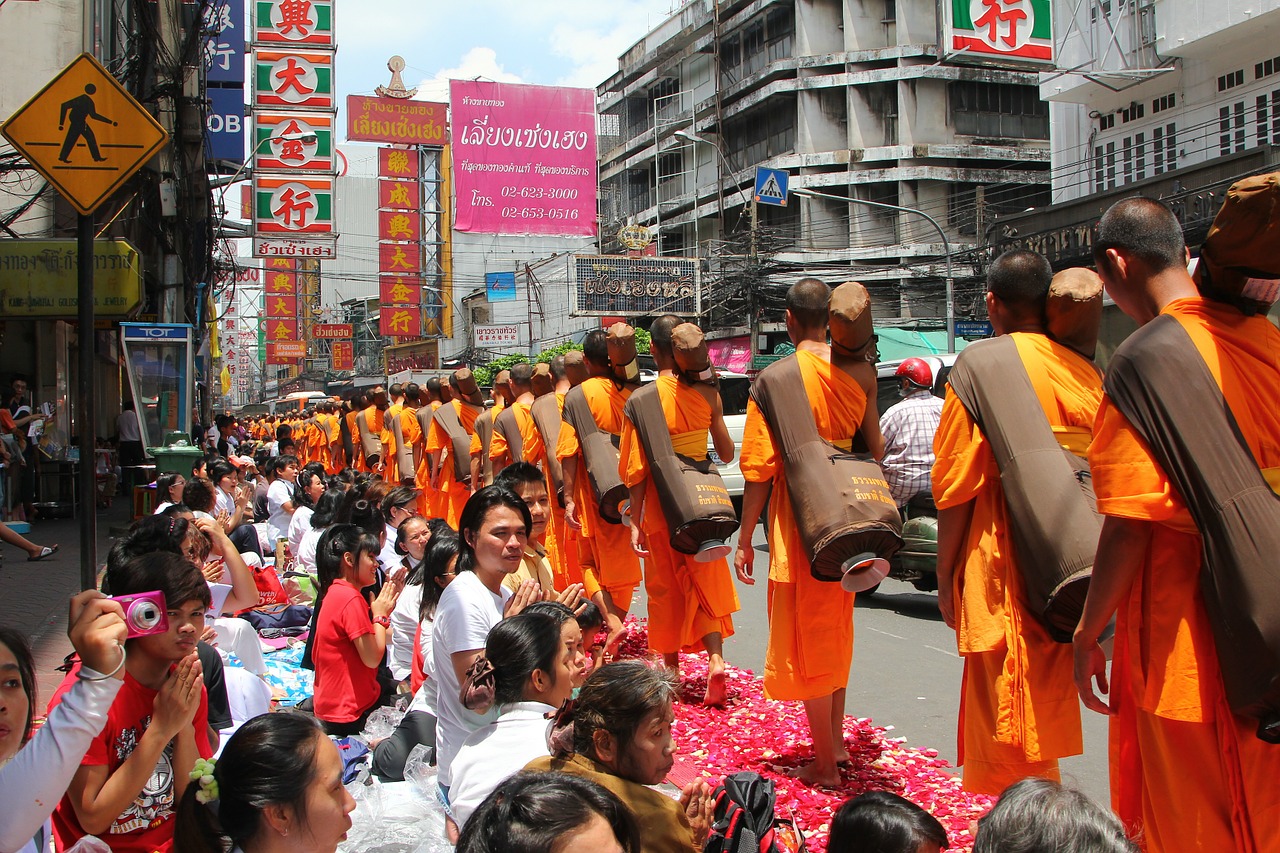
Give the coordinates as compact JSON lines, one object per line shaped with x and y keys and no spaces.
{"x":852,"y":99}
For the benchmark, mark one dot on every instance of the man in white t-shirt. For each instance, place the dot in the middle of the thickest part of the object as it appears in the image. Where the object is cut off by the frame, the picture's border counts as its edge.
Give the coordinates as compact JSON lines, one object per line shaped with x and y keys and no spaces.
{"x":466,"y":612}
{"x":280,"y":504}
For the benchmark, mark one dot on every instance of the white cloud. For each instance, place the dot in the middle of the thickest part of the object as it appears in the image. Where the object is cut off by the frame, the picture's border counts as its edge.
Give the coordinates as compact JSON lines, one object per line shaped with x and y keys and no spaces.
{"x":478,"y":62}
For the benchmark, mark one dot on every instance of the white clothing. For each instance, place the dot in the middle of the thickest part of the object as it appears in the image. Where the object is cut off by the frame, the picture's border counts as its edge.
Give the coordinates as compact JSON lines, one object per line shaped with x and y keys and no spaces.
{"x":404,"y":625}
{"x":223,"y":502}
{"x":238,"y":636}
{"x":279,"y":494}
{"x":34,"y":780}
{"x":305,"y":556}
{"x":492,"y":754}
{"x":298,"y":527}
{"x":466,"y":612}
{"x":161,"y":507}
{"x":127,"y":426}
{"x":247,"y":696}
{"x":388,"y":558}
{"x":425,"y":699}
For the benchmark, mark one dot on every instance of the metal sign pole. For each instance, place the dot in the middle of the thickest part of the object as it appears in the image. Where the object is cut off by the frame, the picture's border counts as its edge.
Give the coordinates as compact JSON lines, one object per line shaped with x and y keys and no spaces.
{"x":86,"y":410}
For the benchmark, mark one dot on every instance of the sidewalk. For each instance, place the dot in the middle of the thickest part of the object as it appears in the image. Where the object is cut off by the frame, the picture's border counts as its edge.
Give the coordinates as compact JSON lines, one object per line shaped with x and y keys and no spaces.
{"x":34,"y":596}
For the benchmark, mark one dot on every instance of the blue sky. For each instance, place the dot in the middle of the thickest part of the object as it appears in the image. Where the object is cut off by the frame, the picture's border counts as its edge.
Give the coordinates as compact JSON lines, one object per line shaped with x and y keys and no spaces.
{"x":554,"y":42}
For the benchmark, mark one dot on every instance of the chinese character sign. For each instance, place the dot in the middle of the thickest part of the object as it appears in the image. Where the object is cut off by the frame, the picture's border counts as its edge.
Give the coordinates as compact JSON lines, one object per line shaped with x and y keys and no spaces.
{"x":300,"y":78}
{"x":400,"y":321}
{"x":343,"y":355}
{"x":398,"y":163}
{"x":224,"y":38}
{"x":293,"y":205}
{"x":399,"y":290}
{"x":281,"y":306}
{"x":524,"y":158}
{"x":293,"y":141}
{"x":399,"y":195}
{"x":399,"y":259}
{"x":399,"y":225}
{"x":294,"y":22}
{"x":987,"y":31}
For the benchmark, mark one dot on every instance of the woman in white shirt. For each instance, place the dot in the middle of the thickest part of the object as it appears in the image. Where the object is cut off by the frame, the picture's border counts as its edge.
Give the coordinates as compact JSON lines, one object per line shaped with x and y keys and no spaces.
{"x":310,"y":487}
{"x":533,"y":662}
{"x":169,"y":489}
{"x":325,"y":514}
{"x":280,"y":498}
{"x":35,"y":771}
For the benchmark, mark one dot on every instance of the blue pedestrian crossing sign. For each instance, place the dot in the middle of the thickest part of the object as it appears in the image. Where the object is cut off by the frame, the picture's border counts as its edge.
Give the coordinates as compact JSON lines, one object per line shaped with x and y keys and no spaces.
{"x":771,"y":186}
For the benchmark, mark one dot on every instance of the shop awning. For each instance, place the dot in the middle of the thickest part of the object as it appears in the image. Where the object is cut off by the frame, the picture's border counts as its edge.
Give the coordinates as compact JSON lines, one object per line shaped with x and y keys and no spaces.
{"x":896,"y":344}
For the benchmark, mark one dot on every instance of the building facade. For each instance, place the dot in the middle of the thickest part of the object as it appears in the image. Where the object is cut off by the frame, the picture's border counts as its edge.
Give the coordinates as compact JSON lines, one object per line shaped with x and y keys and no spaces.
{"x":853,"y":100}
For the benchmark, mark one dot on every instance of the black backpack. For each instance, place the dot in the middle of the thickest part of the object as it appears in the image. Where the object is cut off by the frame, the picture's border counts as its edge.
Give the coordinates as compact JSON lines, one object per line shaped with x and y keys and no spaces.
{"x":743,"y":819}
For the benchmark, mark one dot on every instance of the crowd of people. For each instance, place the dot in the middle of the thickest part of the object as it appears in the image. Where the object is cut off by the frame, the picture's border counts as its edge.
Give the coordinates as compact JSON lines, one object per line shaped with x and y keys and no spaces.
{"x":475,"y":565}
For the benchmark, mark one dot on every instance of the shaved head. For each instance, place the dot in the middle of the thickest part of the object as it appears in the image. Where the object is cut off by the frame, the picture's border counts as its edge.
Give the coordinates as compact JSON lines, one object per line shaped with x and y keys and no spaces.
{"x":660,"y":332}
{"x":807,"y":301}
{"x":1021,"y":279}
{"x":521,"y":374}
{"x":1143,"y":228}
{"x":557,"y":368}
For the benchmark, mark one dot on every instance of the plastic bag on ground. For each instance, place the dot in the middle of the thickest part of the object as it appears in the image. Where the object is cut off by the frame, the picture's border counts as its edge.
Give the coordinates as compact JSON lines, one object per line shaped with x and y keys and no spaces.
{"x":381,"y":724}
{"x":407,"y":823}
{"x":420,"y":771}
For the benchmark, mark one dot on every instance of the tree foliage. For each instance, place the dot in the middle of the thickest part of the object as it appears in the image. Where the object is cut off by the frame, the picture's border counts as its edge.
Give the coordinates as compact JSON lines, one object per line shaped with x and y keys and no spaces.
{"x":484,"y":373}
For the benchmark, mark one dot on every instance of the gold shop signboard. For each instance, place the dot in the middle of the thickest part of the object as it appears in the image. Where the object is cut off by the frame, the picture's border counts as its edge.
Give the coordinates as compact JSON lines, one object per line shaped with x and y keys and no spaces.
{"x":38,"y":279}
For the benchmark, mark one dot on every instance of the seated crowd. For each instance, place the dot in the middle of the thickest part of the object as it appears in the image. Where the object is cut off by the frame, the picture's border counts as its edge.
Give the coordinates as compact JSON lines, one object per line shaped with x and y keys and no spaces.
{"x":539,"y":744}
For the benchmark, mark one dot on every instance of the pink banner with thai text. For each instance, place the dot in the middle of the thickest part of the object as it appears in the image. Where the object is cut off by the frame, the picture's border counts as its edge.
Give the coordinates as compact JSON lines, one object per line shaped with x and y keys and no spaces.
{"x":524,"y":158}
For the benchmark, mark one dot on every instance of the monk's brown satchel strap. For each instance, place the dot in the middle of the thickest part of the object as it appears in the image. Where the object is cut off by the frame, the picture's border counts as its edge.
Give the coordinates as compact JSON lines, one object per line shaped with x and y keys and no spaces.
{"x":1160,"y":383}
{"x":547,"y":418}
{"x":509,"y":428}
{"x":459,"y":440}
{"x":1048,"y":491}
{"x":600,"y":455}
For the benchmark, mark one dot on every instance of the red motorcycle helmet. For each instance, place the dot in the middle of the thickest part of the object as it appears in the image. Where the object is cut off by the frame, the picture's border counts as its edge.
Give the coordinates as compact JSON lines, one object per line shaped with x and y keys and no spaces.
{"x":917,"y":371}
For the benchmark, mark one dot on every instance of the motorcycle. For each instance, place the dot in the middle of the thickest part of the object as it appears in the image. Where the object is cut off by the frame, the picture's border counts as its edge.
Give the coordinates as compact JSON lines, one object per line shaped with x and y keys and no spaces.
{"x":917,"y":562}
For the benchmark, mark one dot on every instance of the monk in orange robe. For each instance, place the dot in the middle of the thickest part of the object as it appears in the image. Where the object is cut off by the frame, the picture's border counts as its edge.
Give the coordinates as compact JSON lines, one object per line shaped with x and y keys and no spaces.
{"x":386,"y":436}
{"x":1186,"y":773}
{"x":1018,"y":713}
{"x":563,"y":540}
{"x":352,"y":409}
{"x":453,"y":492}
{"x":374,"y":418}
{"x":410,"y":432}
{"x":613,"y":571}
{"x":810,"y":622}
{"x":428,"y":496}
{"x":691,"y":604}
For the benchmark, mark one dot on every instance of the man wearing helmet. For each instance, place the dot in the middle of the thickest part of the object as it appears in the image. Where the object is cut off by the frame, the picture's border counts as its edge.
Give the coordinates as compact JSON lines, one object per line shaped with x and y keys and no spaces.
{"x":908,"y":430}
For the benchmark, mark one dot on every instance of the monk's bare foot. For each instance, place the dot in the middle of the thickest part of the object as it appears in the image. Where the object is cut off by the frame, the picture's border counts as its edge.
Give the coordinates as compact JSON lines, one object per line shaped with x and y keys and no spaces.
{"x":716,"y":694}
{"x":816,"y":776}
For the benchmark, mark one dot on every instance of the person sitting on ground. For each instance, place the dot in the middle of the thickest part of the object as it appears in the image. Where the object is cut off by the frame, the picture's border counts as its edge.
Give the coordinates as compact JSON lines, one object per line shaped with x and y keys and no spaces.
{"x":277,"y":786}
{"x":138,"y":767}
{"x":881,"y":822}
{"x":538,"y":812}
{"x":280,"y":498}
{"x":35,"y":771}
{"x":494,"y":526}
{"x":231,"y":507}
{"x":530,"y":666}
{"x":169,"y":488}
{"x":412,"y":537}
{"x":326,"y":512}
{"x":397,"y":505}
{"x":310,"y":487}
{"x":349,"y":645}
{"x":1041,"y":816}
{"x":418,"y":725}
{"x":618,"y":734}
{"x":531,"y":485}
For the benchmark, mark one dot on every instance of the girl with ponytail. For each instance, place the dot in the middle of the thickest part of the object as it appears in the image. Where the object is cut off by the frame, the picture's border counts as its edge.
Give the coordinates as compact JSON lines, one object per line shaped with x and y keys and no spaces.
{"x":530,"y":666}
{"x":276,"y":788}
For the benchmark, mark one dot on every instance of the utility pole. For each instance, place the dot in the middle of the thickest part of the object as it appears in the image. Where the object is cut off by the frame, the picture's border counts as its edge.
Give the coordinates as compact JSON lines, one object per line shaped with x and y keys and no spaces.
{"x":980,"y":213}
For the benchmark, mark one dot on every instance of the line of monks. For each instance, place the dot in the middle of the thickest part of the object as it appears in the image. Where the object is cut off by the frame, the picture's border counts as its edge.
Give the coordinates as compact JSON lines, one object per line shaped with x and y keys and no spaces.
{"x":1188,"y":772}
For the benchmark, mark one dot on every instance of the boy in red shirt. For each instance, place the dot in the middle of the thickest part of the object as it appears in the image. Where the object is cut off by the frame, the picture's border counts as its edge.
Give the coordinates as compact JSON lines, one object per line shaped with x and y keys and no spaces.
{"x":136,"y":770}
{"x":349,"y":644}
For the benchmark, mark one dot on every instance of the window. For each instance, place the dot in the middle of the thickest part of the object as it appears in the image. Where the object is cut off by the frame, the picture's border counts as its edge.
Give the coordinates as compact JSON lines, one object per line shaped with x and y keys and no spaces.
{"x":1133,"y":112}
{"x":1098,"y":174}
{"x":1266,"y":68}
{"x":1111,"y":165}
{"x":1107,"y":121}
{"x":1140,"y":154}
{"x":1162,"y":103}
{"x":1127,"y":145}
{"x":1231,"y":80}
{"x":1264,"y":127}
{"x":1231,"y":133}
{"x":998,"y":110}
{"x":758,"y":134}
{"x":1170,"y":146}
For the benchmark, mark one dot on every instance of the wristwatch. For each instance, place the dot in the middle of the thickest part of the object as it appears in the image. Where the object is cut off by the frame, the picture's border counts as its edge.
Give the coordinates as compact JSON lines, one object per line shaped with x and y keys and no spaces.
{"x":384,"y":621}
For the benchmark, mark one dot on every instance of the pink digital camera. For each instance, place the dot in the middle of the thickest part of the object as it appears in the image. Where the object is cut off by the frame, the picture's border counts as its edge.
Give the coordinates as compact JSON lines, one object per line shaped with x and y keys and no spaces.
{"x":144,"y":613}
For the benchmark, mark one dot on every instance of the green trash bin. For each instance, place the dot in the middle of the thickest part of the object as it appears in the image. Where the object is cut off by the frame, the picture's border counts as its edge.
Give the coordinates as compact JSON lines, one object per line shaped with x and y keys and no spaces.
{"x":175,"y":459}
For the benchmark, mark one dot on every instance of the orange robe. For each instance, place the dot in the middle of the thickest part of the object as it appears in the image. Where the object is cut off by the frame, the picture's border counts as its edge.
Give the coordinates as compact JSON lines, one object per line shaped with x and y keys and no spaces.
{"x":329,"y":426}
{"x":535,"y":453}
{"x":385,"y":435}
{"x":355,"y":462}
{"x":373,"y":416}
{"x":810,"y":621}
{"x":411,"y":432}
{"x":1185,"y":772}
{"x":687,"y":600}
{"x":428,"y":497}
{"x":453,"y":494}
{"x":562,"y":546}
{"x":613,"y":564}
{"x":1019,"y":712}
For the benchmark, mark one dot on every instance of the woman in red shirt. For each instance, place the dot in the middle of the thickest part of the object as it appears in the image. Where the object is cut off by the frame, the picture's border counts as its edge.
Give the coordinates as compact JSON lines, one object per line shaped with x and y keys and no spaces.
{"x":351,"y":633}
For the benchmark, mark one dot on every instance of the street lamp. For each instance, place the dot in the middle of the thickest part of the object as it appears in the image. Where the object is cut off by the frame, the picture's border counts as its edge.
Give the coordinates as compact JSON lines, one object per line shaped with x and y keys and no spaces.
{"x":693,"y":137}
{"x":946,"y":247}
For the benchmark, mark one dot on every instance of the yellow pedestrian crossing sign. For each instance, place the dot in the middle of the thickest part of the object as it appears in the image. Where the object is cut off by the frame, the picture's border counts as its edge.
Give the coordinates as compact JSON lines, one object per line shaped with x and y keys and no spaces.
{"x":84,"y":133}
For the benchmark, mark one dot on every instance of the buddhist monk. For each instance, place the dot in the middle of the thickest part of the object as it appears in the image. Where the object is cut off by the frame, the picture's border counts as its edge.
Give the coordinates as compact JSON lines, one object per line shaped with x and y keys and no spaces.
{"x":611,"y":572}
{"x":810,"y":622}
{"x":482,"y":469}
{"x":1187,"y":773}
{"x":562,"y":543}
{"x":409,"y":442}
{"x":370,"y":424}
{"x":1018,"y":713}
{"x":691,"y":604}
{"x":515,"y":415}
{"x":452,"y":426}
{"x":387,"y":437}
{"x":428,"y":497}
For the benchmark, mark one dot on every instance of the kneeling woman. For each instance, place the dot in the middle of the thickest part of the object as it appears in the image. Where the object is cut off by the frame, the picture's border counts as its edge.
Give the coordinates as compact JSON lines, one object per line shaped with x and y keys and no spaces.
{"x":277,"y":786}
{"x":530,"y":665}
{"x":619,"y":736}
